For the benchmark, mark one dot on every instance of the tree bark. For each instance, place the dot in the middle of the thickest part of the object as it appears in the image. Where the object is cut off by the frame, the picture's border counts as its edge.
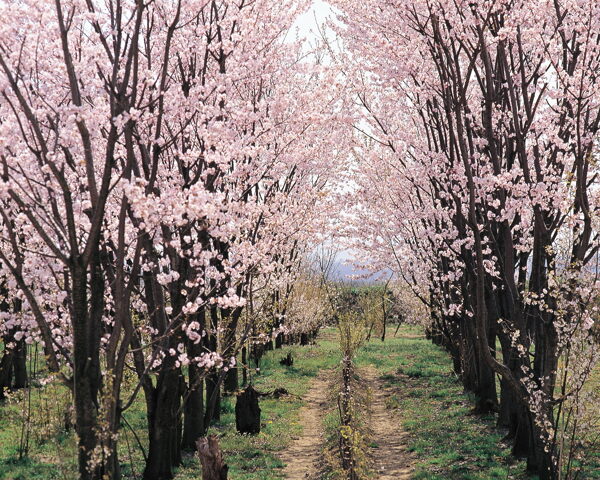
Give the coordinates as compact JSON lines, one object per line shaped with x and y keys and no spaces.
{"x":247,"y":412}
{"x":86,"y":375}
{"x":211,"y":459}
{"x":164,"y":450}
{"x":231,"y":319}
{"x":244,"y":365}
{"x":213,"y":400}
{"x":194,"y":405}
{"x":20,"y":365}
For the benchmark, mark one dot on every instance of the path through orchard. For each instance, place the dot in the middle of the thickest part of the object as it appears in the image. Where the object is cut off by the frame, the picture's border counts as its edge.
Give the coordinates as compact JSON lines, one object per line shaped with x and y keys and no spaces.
{"x":303,"y":456}
{"x":390,"y":459}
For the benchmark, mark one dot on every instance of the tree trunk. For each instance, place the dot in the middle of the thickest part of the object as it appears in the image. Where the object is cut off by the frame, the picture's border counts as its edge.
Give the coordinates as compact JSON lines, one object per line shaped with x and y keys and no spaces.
{"x":230,"y":384}
{"x":194,"y":404}
{"x":164,"y":427}
{"x":256,"y":353}
{"x":85,"y":373}
{"x":213,"y":400}
{"x":229,"y":347}
{"x":6,"y":370}
{"x":211,"y":459}
{"x":193,"y":414}
{"x":384,"y":316}
{"x":247,"y":412}
{"x":213,"y":388}
{"x":487,"y":397}
{"x":13,"y":366}
{"x":244,"y":366}
{"x":20,"y":365}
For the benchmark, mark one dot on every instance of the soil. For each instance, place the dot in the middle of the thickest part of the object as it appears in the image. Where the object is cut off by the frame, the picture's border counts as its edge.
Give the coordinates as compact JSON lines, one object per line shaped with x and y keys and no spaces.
{"x":391,"y":459}
{"x":303,"y":457}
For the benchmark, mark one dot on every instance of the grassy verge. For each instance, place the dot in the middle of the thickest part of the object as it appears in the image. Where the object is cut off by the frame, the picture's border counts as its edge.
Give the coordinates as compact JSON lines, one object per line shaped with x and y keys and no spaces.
{"x":52,"y":450}
{"x":256,"y":457}
{"x":446,"y":441}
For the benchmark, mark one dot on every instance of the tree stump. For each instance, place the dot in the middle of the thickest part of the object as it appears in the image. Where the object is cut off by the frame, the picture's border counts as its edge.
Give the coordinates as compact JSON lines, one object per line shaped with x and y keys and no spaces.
{"x":280,"y":392}
{"x":211,"y":458}
{"x":288,"y":360}
{"x":247,"y":411}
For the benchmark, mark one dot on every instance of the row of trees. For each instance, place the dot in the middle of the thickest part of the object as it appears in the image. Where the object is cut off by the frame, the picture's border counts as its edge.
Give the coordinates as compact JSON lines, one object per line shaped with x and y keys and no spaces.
{"x":164,"y":166}
{"x":477,"y":177}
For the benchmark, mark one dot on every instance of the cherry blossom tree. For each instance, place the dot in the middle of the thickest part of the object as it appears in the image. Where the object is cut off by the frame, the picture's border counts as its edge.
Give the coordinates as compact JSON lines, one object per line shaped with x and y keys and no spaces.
{"x":158,"y":161}
{"x":478,"y":157}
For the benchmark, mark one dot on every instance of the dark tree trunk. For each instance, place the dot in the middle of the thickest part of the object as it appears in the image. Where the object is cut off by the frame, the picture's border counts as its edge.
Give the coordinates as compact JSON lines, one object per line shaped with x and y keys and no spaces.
{"x":288,"y":360}
{"x":244,"y":366}
{"x":487,"y":400}
{"x":384,"y":315}
{"x":86,"y":362}
{"x":213,"y":400}
{"x":256,"y":353}
{"x":20,"y":365}
{"x":521,"y":424}
{"x":213,"y":382}
{"x":6,"y":364}
{"x":512,"y":413}
{"x":164,"y":450}
{"x":468,"y":355}
{"x":247,"y":412}
{"x":13,"y":366}
{"x":230,"y":348}
{"x":543,"y":456}
{"x":85,"y":404}
{"x":230,"y":384}
{"x":193,"y":413}
{"x":6,"y":370}
{"x":194,"y":405}
{"x":487,"y":397}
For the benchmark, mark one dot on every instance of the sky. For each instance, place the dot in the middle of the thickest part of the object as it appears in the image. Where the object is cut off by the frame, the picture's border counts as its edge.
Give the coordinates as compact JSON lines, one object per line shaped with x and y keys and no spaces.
{"x":307,"y":25}
{"x":316,"y":15}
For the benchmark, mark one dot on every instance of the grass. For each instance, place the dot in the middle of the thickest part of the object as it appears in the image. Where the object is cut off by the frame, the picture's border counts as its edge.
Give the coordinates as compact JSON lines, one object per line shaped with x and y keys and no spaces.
{"x":52,"y":451}
{"x":446,"y":440}
{"x":256,"y":457}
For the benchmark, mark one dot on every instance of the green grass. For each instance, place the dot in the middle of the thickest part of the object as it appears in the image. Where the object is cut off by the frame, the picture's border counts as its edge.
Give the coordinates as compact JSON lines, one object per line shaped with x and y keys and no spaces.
{"x":256,"y":457}
{"x":446,"y":440}
{"x":52,"y":451}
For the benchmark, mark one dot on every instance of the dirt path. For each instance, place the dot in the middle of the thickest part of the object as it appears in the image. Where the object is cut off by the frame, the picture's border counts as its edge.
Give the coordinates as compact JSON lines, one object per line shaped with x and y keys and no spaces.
{"x":303,"y":456}
{"x":391,"y":459}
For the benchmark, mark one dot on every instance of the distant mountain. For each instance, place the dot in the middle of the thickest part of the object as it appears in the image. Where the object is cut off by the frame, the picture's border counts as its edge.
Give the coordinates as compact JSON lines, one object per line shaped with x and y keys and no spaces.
{"x":343,"y":271}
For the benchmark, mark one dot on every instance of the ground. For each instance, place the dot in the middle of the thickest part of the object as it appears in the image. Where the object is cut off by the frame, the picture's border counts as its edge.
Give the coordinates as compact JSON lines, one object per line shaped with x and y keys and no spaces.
{"x":391,"y":457}
{"x":301,"y":458}
{"x":420,"y":421}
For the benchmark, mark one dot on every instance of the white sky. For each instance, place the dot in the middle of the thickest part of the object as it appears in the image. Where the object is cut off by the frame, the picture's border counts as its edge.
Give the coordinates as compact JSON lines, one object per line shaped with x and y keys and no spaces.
{"x":316,"y":15}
